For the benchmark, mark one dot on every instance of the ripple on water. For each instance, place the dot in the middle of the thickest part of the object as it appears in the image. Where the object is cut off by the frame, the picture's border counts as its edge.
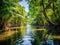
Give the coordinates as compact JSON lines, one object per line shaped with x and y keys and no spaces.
{"x":47,"y":42}
{"x":26,"y":40}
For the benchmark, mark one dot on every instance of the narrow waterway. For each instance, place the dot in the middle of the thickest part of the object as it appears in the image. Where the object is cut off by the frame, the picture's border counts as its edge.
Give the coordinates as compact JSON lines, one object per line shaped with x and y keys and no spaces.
{"x":27,"y":38}
{"x":29,"y":35}
{"x":33,"y":37}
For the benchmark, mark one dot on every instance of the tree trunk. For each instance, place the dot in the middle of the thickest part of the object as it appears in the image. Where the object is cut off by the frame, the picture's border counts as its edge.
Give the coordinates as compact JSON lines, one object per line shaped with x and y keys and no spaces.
{"x":44,"y":12}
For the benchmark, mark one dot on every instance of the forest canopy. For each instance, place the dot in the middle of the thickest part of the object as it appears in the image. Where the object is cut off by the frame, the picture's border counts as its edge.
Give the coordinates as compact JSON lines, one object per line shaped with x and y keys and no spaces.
{"x":44,"y":12}
{"x":11,"y":12}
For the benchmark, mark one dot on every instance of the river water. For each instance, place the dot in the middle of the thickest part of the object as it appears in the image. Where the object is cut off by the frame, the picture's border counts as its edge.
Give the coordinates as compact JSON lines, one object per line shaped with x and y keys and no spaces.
{"x":29,"y":36}
{"x":32,"y":37}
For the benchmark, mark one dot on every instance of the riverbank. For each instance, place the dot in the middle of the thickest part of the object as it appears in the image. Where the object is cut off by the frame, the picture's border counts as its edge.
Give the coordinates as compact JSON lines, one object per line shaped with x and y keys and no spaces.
{"x":5,"y":35}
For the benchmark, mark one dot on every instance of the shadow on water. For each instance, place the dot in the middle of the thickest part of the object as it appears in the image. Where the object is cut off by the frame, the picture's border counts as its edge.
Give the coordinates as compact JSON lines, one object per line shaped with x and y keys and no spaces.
{"x":11,"y":39}
{"x":30,"y":37}
{"x":5,"y":42}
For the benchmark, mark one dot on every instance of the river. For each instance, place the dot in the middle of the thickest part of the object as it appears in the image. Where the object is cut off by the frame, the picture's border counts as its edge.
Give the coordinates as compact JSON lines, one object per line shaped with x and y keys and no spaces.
{"x":29,"y":36}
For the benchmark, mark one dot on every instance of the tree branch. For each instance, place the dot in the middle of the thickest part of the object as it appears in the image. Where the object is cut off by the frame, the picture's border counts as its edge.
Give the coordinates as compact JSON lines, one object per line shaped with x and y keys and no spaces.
{"x":44,"y":12}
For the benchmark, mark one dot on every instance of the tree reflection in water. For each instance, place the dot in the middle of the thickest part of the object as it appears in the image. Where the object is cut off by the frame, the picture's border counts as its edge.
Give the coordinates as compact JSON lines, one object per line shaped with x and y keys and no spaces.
{"x":34,"y":37}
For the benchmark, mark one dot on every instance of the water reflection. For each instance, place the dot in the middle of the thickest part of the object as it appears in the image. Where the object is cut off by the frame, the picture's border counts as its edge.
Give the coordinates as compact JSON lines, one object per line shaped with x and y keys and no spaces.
{"x":47,"y":42}
{"x":27,"y":38}
{"x":28,"y":30}
{"x":33,"y":38}
{"x":30,"y":37}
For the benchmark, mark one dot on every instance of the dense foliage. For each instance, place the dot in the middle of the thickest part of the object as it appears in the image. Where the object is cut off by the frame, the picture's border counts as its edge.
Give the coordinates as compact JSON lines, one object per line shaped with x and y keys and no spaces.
{"x":11,"y":12}
{"x":44,"y":12}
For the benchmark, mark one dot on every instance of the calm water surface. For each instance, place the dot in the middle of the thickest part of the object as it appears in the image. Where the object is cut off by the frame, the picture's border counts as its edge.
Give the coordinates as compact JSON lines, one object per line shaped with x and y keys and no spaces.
{"x":28,"y":36}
